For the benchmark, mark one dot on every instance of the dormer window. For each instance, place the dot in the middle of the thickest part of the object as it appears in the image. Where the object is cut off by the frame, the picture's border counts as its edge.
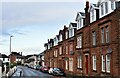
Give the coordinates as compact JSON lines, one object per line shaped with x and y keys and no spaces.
{"x":55,"y":41}
{"x":60,"y":39}
{"x":45,"y":47}
{"x":80,"y":23}
{"x":112,"y":5}
{"x":72,"y":28}
{"x":66,"y":35}
{"x":71,"y":32}
{"x":94,"y":10}
{"x":102,"y":9}
{"x":48,"y":46}
{"x":80,"y":19}
{"x":107,"y":7}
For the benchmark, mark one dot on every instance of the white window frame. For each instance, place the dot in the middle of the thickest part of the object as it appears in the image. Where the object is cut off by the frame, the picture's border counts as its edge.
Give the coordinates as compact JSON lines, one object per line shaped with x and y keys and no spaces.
{"x":92,"y":15}
{"x":70,"y":64}
{"x":102,"y":35}
{"x":80,"y":23}
{"x":112,"y":5}
{"x":60,"y":37}
{"x":106,"y":7}
{"x":66,"y":35}
{"x":108,"y":63}
{"x":79,"y":42}
{"x":66,"y":67}
{"x":94,"y":62}
{"x":60,"y":50}
{"x":66,"y":49}
{"x":56,"y":53}
{"x":103,"y":63}
{"x":94,"y":38}
{"x":107,"y":34}
{"x":102,"y":9}
{"x":79,"y":61}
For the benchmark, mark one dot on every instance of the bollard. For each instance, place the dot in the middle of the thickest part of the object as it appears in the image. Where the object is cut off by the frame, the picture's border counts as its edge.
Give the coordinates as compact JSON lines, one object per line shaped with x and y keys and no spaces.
{"x":20,"y":73}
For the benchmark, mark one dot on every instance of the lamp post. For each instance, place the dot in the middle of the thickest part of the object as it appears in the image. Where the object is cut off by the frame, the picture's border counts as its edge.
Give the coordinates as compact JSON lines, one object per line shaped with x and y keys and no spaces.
{"x":10,"y":52}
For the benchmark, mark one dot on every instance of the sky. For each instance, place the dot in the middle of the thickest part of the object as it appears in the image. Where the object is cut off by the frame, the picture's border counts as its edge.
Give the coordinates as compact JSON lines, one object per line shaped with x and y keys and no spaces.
{"x":33,"y":22}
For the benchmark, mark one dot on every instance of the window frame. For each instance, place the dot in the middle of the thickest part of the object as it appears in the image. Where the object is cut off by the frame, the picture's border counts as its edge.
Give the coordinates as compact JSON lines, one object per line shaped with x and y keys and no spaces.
{"x":79,"y":41}
{"x":102,"y":35}
{"x":103,"y":63}
{"x":108,"y":65}
{"x":79,"y":61}
{"x":94,"y":38}
{"x":94,"y":62}
{"x":107,"y":34}
{"x":60,"y":50}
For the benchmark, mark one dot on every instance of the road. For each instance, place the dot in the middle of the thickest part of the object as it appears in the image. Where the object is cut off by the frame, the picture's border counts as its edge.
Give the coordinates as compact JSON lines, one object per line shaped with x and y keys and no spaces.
{"x":31,"y":73}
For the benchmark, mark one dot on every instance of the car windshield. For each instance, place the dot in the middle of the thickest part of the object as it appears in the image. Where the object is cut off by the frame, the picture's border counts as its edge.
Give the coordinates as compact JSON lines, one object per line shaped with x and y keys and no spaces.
{"x":57,"y":69}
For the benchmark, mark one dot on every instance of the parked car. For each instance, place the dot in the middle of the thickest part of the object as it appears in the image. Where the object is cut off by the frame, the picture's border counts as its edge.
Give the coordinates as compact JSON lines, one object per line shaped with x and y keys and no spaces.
{"x":37,"y":67}
{"x":58,"y":72}
{"x":45,"y":69}
{"x":50,"y":70}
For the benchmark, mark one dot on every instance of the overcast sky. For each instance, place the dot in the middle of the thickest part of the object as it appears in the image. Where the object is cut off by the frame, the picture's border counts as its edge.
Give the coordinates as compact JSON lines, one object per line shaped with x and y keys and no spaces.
{"x":33,"y":23}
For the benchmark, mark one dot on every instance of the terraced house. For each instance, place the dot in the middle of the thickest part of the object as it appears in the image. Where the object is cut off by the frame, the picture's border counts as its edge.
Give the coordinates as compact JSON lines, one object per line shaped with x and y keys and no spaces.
{"x":91,"y":46}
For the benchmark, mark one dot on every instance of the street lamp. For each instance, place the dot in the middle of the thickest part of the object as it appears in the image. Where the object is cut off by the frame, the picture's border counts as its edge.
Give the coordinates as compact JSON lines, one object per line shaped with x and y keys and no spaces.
{"x":10,"y":52}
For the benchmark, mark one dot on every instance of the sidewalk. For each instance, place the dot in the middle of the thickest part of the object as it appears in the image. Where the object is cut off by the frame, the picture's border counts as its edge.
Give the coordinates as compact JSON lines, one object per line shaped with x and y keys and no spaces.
{"x":18,"y":72}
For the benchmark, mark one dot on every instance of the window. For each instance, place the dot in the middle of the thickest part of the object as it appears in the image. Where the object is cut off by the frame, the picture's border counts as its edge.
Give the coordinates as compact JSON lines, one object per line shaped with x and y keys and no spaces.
{"x":66,"y":35}
{"x":66,"y":65}
{"x":48,"y":46}
{"x":94,"y":38}
{"x":102,"y":35}
{"x":60,"y":37}
{"x":70,"y":64}
{"x":112,"y":5}
{"x":94,"y":62}
{"x":66,"y":49}
{"x":79,"y":41}
{"x":106,"y":7}
{"x":108,"y":63}
{"x":71,"y":47}
{"x":107,"y":34}
{"x":55,"y":53}
{"x":103,"y":63}
{"x":60,"y":50}
{"x":79,"y":62}
{"x":102,"y":9}
{"x":80,"y":23}
{"x":3,"y":59}
{"x":71,"y":32}
{"x":92,"y":15}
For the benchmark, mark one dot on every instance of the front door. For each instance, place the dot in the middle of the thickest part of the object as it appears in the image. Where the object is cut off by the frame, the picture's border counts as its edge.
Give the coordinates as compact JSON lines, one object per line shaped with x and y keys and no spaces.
{"x":86,"y":63}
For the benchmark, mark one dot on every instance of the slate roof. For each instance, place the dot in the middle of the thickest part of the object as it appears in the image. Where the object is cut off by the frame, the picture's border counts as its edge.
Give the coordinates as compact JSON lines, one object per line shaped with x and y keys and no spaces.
{"x":74,"y":24}
{"x":82,"y":13}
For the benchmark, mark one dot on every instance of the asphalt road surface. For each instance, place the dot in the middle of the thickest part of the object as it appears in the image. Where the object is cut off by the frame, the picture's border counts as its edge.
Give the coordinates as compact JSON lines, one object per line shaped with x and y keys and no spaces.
{"x":25,"y":72}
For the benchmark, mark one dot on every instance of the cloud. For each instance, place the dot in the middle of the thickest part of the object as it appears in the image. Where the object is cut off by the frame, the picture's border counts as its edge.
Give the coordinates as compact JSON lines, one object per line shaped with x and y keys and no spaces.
{"x":25,"y":14}
{"x":43,"y":0}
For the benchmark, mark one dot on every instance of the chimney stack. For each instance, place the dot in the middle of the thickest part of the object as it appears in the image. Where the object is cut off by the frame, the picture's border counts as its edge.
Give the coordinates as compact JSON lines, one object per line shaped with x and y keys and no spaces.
{"x":87,"y":14}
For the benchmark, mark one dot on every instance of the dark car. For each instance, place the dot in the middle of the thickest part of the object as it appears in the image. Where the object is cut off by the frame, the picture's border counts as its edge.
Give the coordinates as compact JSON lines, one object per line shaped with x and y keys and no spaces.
{"x":44,"y":69}
{"x":58,"y":72}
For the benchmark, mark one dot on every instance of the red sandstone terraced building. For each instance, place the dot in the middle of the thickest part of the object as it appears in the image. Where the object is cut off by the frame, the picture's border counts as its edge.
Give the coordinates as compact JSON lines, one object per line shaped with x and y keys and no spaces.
{"x":90,"y":47}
